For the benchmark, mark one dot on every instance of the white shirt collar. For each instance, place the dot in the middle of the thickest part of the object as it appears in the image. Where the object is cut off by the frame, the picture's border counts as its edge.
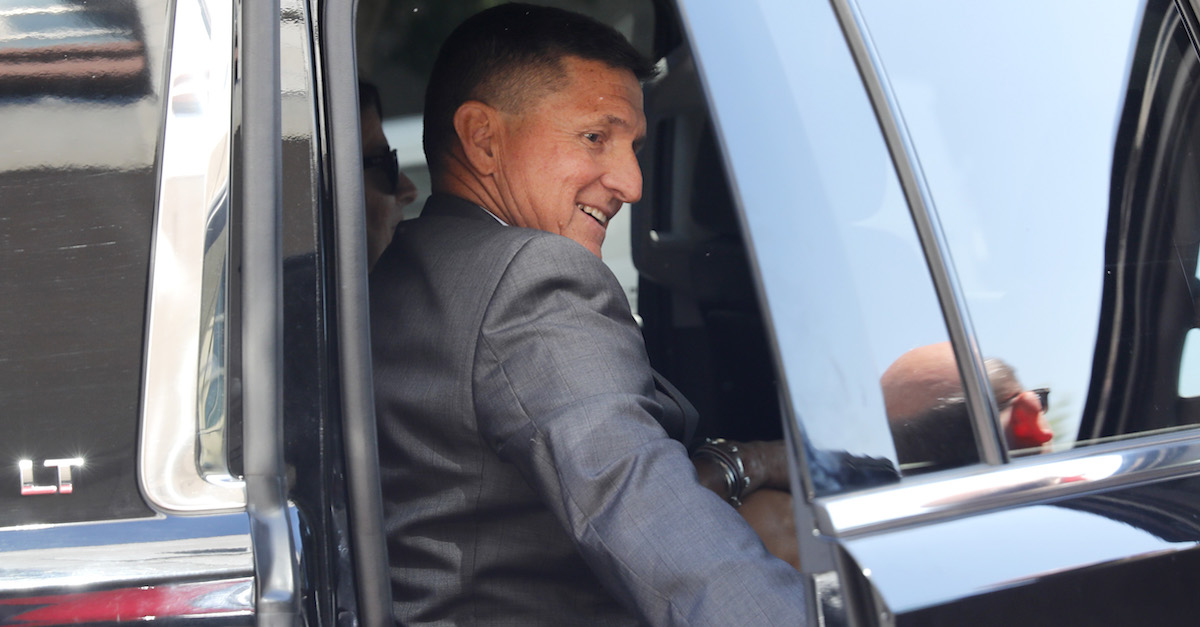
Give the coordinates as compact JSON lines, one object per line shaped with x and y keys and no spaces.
{"x":496,"y":217}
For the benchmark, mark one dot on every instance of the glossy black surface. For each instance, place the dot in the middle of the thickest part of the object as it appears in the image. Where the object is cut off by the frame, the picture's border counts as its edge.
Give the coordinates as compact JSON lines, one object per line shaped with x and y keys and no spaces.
{"x":1150,"y":302}
{"x":1122,"y":558}
{"x":312,"y":422}
{"x":78,"y":184}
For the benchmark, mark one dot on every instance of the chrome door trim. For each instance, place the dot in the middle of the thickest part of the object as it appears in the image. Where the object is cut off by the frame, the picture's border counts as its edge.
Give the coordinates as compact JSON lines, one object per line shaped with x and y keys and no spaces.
{"x":182,"y":450}
{"x":983,"y":409}
{"x":953,"y":494}
{"x":259,"y":210}
{"x":124,"y":552}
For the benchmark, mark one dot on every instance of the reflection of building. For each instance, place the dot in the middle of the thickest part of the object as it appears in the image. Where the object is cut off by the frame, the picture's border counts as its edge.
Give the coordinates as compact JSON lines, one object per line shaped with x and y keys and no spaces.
{"x":72,"y":48}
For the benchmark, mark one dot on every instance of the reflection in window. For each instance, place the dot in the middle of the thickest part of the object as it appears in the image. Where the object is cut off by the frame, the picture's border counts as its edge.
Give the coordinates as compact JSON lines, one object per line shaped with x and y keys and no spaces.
{"x":1189,"y":369}
{"x":1057,"y":157}
{"x":929,"y":418}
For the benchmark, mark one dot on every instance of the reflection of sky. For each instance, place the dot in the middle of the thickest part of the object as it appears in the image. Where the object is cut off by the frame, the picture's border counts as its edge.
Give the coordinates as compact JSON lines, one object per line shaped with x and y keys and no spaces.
{"x":157,"y":529}
{"x":1014,"y":119}
{"x":201,"y":86}
{"x":1189,"y":373}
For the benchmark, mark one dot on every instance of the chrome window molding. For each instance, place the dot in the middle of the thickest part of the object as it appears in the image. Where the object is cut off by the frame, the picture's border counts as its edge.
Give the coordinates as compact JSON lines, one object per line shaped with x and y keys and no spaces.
{"x":952,"y":494}
{"x":259,"y":209}
{"x":984,"y":412}
{"x":124,"y":552}
{"x":184,"y":430}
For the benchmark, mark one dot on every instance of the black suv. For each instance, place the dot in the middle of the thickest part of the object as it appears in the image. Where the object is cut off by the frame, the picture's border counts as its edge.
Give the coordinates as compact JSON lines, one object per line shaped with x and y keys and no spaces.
{"x":185,"y":401}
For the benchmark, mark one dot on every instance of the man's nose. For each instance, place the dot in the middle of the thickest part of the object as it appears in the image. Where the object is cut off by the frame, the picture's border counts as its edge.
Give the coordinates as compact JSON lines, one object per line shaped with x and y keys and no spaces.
{"x":624,"y":177}
{"x":406,"y":190}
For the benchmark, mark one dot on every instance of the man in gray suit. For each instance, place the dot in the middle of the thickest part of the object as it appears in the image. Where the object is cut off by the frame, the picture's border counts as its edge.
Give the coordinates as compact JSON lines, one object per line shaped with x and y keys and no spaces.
{"x":529,"y":471}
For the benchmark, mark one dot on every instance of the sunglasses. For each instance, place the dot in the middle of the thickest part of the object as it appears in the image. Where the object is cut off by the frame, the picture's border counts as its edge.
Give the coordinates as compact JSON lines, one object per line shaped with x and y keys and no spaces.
{"x":390,"y":166}
{"x":1043,"y":395}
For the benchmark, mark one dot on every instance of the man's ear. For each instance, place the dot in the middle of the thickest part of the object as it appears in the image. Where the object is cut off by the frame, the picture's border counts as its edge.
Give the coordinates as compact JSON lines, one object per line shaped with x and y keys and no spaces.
{"x":1027,"y":425}
{"x":476,"y":124}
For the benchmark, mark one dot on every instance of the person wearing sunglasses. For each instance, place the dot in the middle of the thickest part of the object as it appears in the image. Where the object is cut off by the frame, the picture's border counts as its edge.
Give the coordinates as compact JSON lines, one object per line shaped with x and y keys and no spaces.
{"x":928,"y":414}
{"x":386,"y":189}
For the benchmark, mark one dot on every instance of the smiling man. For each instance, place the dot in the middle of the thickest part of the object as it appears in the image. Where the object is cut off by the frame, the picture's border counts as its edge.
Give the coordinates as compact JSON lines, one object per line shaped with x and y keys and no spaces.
{"x":563,"y":162}
{"x":532,"y":464}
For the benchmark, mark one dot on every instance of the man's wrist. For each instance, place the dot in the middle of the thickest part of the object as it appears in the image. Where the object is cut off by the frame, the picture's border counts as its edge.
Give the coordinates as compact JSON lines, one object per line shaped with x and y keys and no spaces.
{"x":727,"y":456}
{"x":766,"y":465}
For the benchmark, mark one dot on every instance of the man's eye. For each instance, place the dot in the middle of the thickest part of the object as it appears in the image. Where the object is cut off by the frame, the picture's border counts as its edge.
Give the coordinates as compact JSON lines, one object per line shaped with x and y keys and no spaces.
{"x":592,"y":137}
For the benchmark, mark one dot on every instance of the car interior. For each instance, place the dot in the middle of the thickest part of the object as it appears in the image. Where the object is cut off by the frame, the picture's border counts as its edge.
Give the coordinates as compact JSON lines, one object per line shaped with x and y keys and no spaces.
{"x":679,"y":252}
{"x":687,"y":275}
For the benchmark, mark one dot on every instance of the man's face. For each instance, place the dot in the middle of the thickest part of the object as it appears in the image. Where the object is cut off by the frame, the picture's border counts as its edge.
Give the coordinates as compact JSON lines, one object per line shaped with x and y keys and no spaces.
{"x":1023,"y":419}
{"x":567,"y":163}
{"x":385,"y":197}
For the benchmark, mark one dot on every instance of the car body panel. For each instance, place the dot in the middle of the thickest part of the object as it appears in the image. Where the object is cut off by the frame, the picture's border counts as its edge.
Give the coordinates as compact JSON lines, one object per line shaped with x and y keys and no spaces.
{"x":1116,"y":558}
{"x":80,"y":223}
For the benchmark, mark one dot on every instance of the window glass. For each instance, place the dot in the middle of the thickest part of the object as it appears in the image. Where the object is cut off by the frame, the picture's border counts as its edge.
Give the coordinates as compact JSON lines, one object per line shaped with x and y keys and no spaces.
{"x":81,"y":100}
{"x":1189,"y":372}
{"x":835,"y":248}
{"x":1057,"y":152}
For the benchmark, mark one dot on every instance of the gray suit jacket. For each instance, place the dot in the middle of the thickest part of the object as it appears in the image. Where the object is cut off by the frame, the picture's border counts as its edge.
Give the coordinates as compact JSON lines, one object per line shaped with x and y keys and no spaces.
{"x":527,"y":478}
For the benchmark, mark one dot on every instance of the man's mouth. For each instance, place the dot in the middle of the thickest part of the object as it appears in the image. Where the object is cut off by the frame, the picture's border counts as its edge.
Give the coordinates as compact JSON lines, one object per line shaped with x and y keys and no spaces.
{"x":595,"y":213}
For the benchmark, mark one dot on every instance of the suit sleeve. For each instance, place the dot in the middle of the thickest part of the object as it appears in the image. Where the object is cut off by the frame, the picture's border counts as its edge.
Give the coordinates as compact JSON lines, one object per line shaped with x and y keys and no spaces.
{"x":565,"y":392}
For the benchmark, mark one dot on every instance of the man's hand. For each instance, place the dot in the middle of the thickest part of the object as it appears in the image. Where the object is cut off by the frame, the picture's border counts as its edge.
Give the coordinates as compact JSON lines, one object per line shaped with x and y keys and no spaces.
{"x":769,"y":512}
{"x":766,"y":465}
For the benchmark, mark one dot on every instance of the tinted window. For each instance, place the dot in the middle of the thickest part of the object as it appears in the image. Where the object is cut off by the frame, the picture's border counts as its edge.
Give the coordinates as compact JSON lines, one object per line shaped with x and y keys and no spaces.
{"x":842,"y":267}
{"x":1059,"y":158}
{"x":82,"y":110}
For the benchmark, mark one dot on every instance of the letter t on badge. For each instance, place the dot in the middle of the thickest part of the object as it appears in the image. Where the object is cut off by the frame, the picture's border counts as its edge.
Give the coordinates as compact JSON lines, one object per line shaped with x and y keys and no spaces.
{"x":65,"y":484}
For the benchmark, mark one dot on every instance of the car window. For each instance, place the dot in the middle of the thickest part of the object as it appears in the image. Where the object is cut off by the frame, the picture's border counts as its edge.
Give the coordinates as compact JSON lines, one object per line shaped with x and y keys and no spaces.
{"x":1059,"y":156}
{"x":78,"y":185}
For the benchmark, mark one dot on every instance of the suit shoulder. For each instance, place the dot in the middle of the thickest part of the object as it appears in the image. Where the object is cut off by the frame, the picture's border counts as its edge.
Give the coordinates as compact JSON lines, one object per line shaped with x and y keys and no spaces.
{"x":478,"y":237}
{"x":557,"y":254}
